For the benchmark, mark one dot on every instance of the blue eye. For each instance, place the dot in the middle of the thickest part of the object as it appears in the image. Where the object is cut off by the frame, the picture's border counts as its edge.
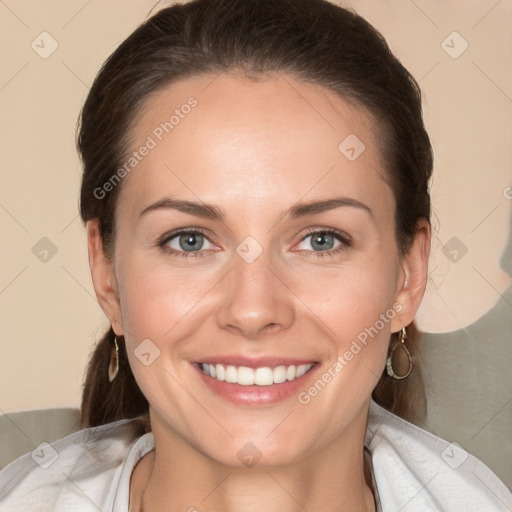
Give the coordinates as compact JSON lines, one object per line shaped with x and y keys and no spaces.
{"x":322,"y":241}
{"x":186,"y":243}
{"x":192,"y":241}
{"x":326,"y":242}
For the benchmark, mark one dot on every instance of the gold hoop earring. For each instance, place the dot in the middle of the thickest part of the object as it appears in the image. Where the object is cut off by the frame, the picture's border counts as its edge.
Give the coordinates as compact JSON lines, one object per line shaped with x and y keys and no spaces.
{"x":394,"y":352}
{"x":113,"y":367}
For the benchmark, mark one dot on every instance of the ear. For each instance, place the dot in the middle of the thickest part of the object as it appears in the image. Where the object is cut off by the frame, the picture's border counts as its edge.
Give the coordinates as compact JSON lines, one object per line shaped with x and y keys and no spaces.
{"x":413,"y":278}
{"x":103,"y":277}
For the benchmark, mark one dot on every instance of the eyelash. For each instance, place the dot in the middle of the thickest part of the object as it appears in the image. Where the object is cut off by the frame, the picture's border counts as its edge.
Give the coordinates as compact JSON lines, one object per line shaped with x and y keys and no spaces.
{"x":165,"y":239}
{"x":339,"y":235}
{"x":343,"y":238}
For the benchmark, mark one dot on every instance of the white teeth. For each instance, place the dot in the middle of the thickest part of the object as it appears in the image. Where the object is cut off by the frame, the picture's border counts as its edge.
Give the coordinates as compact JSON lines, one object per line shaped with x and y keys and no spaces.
{"x":301,"y":370}
{"x":231,"y":374}
{"x":245,"y":376}
{"x":264,"y":376}
{"x":279,"y":374}
{"x":221,"y":374}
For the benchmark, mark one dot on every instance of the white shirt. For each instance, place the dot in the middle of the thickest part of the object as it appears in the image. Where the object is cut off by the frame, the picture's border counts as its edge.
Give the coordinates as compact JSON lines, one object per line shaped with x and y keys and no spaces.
{"x":413,"y":471}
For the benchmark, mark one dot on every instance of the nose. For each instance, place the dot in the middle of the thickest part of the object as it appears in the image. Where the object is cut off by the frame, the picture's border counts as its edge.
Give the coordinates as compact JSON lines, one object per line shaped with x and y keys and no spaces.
{"x":255,"y":300}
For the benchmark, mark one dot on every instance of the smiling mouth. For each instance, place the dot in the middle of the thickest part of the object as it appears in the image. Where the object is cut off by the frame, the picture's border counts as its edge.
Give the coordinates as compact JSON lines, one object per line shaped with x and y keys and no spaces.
{"x":263,"y":376}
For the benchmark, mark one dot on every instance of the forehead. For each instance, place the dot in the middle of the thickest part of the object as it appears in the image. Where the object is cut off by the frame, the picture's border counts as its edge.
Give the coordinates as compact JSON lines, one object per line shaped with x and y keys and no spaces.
{"x":273,"y":140}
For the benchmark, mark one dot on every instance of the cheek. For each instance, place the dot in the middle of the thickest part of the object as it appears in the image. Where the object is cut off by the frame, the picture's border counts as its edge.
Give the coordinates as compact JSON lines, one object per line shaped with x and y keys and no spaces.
{"x":157,"y":303}
{"x":356,"y":307}
{"x":155,"y":298}
{"x":165,"y":305}
{"x":351,"y":297}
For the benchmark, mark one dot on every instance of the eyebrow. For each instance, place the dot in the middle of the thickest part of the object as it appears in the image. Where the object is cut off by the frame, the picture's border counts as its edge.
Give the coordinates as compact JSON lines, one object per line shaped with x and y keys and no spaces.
{"x":303,"y":209}
{"x":208,"y":211}
{"x":213,"y":212}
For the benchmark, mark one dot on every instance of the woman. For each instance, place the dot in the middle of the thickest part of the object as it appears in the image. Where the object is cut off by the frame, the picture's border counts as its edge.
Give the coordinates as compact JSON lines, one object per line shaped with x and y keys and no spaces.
{"x":255,"y":193}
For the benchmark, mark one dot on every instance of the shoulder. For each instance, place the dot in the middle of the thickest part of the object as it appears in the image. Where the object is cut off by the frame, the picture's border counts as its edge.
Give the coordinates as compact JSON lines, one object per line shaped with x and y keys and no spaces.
{"x":416,"y":470}
{"x":78,"y":472}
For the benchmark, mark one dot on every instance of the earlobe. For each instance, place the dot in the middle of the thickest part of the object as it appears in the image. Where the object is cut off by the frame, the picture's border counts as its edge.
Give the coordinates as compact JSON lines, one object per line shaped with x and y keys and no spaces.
{"x":103,"y":277}
{"x":415,"y":268}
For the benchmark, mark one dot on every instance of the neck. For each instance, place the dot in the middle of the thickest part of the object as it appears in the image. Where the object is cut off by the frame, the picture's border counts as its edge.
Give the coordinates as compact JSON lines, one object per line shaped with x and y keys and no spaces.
{"x":332,"y":479}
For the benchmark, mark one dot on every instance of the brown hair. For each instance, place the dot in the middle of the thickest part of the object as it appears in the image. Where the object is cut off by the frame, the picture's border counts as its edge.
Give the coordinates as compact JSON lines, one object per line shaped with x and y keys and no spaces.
{"x":314,"y":40}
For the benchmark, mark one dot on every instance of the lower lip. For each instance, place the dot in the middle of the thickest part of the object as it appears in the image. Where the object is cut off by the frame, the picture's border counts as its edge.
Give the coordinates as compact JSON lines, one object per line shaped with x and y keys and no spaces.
{"x":255,"y":395}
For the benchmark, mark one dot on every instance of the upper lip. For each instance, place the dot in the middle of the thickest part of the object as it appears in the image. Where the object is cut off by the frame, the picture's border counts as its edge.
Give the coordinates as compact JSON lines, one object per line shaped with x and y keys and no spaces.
{"x":255,"y":362}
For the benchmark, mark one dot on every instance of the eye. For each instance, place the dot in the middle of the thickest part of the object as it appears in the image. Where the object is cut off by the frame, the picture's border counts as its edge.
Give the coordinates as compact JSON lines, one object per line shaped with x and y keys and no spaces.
{"x":325,"y":242}
{"x":186,"y":243}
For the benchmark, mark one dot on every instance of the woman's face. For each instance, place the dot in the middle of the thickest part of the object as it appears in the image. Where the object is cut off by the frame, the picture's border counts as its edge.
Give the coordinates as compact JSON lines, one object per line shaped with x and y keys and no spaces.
{"x":264,"y":279}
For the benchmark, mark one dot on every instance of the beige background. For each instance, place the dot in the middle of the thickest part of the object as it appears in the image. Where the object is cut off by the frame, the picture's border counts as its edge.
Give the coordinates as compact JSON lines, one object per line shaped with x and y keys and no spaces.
{"x":49,"y":315}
